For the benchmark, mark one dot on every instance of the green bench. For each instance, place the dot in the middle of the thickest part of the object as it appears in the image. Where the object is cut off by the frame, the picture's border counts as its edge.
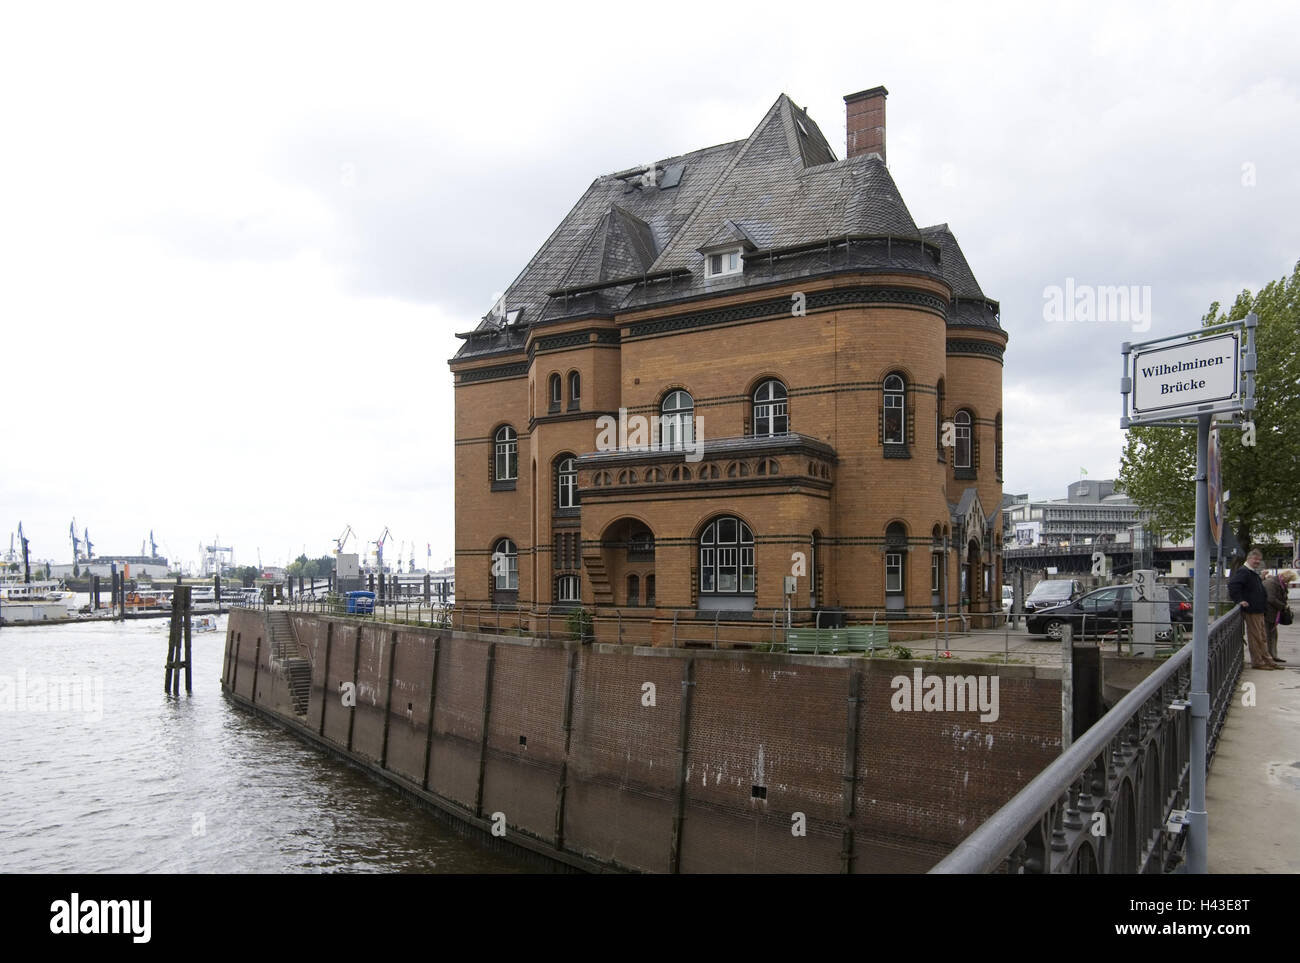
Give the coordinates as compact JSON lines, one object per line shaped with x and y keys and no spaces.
{"x":855,"y":638}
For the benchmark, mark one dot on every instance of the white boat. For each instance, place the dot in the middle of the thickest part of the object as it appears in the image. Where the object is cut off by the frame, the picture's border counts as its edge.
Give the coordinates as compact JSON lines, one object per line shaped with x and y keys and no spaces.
{"x":15,"y":591}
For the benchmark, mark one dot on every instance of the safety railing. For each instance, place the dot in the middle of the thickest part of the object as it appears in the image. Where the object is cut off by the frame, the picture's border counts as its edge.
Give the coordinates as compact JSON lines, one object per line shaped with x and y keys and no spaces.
{"x":1105,"y":804}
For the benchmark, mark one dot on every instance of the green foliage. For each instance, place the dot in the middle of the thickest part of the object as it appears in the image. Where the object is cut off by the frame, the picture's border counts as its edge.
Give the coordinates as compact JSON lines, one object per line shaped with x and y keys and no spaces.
{"x":580,"y":625}
{"x":247,"y":575}
{"x":310,"y":567}
{"x":1158,"y":466}
{"x":899,"y":652}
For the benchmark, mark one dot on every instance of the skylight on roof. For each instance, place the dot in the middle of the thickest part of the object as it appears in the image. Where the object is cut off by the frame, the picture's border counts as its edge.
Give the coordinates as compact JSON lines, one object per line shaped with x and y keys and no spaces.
{"x":672,"y":176}
{"x":802,"y":129}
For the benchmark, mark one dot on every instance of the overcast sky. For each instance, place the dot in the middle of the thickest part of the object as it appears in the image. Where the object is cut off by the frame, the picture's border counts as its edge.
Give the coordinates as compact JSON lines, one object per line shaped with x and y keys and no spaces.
{"x":235,"y":246}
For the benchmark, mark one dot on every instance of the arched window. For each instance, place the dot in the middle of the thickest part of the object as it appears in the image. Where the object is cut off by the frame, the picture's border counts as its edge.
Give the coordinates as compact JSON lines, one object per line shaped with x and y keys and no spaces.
{"x":680,"y":473}
{"x":575,"y":389}
{"x":566,"y":483}
{"x":961,"y":458}
{"x":633,"y":590}
{"x":553,"y":392}
{"x":505,"y":566}
{"x":677,"y":422}
{"x":895,"y":411}
{"x":770,"y":416}
{"x":506,"y":460}
{"x":568,"y":588}
{"x":895,"y":564}
{"x":727,"y":558}
{"x":650,"y":590}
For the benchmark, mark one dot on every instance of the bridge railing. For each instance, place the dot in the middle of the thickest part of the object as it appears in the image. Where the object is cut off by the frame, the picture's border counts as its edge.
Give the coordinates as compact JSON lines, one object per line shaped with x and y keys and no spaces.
{"x":1105,"y":804}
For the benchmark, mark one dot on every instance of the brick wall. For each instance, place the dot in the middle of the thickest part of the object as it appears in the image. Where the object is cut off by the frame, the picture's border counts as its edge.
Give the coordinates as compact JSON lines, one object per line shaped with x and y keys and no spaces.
{"x":582,"y":744}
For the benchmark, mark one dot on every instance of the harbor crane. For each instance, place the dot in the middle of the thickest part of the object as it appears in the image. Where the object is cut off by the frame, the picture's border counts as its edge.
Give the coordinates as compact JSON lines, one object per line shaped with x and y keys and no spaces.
{"x":342,"y":540}
{"x":90,"y":547}
{"x":379,"y":548}
{"x":76,"y":542}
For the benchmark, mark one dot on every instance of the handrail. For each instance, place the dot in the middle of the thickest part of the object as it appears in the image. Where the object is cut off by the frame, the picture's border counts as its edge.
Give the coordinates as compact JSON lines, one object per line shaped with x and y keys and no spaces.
{"x":991,"y":843}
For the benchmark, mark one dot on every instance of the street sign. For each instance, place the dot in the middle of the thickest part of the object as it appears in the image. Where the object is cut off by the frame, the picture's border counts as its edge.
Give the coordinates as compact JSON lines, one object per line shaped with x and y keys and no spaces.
{"x":1186,"y":381}
{"x":1216,"y":489}
{"x":1185,"y":375}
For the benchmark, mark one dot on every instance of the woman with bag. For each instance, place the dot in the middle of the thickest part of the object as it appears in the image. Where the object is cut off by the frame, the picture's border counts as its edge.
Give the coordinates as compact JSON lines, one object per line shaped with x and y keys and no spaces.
{"x":1279,"y":612}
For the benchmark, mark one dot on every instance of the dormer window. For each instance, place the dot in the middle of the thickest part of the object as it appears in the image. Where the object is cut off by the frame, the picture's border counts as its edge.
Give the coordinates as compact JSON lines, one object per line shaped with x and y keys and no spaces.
{"x":724,"y":262}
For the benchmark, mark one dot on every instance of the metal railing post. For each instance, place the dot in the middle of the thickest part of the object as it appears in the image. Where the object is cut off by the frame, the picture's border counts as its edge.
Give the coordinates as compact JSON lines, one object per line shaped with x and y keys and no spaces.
{"x":674,"y":628}
{"x":716,"y":616}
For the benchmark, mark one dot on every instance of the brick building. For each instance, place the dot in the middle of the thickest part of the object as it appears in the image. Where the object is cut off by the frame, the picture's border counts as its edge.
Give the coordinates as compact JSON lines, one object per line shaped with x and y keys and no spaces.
{"x":728,"y":367}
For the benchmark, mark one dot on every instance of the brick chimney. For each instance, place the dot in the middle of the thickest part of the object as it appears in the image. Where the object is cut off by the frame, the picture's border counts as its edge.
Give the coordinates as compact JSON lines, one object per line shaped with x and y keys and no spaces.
{"x":865,"y":113}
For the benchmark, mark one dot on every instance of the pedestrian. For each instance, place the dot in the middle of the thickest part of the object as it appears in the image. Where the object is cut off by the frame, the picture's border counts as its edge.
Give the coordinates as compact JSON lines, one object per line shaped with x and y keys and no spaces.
{"x":1276,"y":587}
{"x":1246,"y":589}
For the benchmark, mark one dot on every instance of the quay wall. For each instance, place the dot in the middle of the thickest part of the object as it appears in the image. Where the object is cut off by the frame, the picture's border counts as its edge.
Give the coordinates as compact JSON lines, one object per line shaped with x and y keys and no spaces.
{"x":648,"y":759}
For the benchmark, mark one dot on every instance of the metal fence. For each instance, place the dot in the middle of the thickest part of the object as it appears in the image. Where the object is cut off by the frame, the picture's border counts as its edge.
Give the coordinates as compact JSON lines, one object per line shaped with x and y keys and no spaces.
{"x":1111,"y":802}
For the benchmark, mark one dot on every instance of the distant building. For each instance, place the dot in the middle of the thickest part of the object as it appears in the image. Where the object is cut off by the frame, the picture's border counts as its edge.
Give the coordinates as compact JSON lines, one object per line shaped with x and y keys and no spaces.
{"x":1092,"y":512}
{"x":134,"y":566}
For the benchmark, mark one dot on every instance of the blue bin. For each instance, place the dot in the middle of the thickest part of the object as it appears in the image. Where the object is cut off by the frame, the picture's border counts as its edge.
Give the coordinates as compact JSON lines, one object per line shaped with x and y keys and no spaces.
{"x":361,"y":603}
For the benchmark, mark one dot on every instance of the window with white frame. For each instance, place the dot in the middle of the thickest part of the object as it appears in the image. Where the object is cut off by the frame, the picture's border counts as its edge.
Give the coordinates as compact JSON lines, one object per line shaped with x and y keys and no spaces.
{"x":961,"y":458}
{"x":677,"y":421}
{"x":568,"y":589}
{"x":566,"y":483}
{"x":553,"y":392}
{"x":727,"y":558}
{"x":575,"y":389}
{"x":506,"y":463}
{"x":770,"y":416}
{"x":895,"y":411}
{"x":723,"y":262}
{"x":505,"y":566}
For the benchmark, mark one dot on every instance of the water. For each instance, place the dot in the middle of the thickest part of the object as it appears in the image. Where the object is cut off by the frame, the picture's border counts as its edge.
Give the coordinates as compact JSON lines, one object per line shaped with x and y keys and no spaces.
{"x":140,"y":782}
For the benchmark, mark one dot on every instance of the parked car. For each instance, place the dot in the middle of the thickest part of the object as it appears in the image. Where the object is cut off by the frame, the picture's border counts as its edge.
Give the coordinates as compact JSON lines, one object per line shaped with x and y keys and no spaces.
{"x":1106,"y":610}
{"x":1007,"y":597}
{"x":1052,"y":593}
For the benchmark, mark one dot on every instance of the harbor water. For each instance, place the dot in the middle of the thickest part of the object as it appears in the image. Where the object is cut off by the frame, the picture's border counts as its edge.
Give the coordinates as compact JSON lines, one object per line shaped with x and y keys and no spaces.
{"x":101,"y":771}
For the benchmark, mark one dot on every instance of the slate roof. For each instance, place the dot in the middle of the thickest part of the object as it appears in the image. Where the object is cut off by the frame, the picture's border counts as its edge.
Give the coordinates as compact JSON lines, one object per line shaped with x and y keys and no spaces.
{"x":781,"y":190}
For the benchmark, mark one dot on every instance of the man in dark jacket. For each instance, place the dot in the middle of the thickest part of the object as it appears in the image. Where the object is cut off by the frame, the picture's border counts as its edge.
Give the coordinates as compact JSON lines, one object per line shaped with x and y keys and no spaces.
{"x":1247,"y":590}
{"x":1276,"y":586}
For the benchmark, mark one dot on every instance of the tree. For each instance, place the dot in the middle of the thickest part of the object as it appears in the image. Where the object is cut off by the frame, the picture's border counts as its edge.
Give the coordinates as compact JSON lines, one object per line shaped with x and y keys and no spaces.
{"x":247,"y":575}
{"x":1158,"y":467}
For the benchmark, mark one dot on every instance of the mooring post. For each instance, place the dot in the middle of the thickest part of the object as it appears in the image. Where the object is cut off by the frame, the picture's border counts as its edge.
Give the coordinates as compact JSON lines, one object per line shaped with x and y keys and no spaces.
{"x":189,"y":677}
{"x":216,"y":590}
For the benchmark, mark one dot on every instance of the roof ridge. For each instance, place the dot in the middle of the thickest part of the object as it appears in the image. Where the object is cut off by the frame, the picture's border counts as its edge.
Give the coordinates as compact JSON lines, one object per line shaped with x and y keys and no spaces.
{"x":671,"y":247}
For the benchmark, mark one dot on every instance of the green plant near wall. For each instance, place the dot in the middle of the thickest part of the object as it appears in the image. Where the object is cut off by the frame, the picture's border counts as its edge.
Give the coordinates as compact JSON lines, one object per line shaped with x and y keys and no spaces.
{"x":899,"y":652}
{"x":580,"y":625}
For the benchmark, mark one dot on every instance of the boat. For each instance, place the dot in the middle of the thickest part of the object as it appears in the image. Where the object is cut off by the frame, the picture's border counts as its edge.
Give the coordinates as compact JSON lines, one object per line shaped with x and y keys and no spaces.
{"x":42,"y":593}
{"x":198,"y":623}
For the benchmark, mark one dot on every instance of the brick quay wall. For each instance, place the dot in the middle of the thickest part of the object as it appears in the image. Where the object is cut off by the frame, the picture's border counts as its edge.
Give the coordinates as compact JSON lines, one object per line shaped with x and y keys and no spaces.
{"x":615,"y":758}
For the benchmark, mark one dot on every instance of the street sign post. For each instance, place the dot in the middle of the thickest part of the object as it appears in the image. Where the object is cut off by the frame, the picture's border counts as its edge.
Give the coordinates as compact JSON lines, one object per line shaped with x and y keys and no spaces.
{"x":1194,"y":378}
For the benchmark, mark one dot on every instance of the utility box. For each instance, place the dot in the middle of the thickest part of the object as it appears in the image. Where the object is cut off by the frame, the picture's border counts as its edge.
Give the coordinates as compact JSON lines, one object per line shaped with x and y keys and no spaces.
{"x":1150,"y":613}
{"x":361,"y":603}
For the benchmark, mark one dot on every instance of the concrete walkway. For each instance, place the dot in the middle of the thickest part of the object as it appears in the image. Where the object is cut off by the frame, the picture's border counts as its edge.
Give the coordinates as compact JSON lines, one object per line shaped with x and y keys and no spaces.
{"x":1253,"y":792}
